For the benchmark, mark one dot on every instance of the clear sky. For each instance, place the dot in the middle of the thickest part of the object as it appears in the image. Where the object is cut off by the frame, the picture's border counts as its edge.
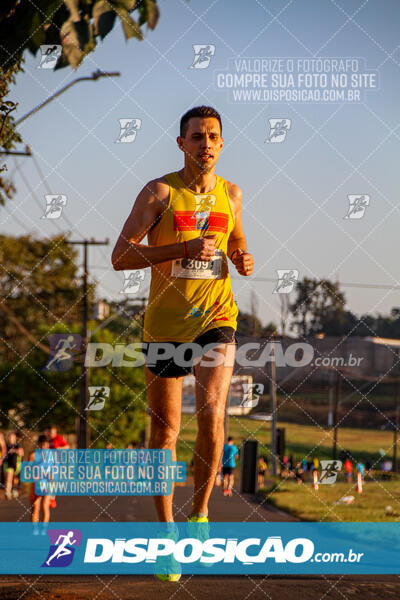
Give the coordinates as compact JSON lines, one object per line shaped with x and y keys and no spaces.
{"x":294,"y":192}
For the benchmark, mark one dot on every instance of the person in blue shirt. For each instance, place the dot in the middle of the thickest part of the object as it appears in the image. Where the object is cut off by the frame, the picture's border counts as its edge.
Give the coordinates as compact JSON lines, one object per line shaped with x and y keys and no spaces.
{"x":360,"y":468}
{"x":228,"y":466}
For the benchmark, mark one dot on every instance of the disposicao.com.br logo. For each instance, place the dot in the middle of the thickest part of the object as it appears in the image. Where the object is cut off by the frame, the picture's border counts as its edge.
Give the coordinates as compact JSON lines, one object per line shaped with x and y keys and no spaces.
{"x":214,"y":550}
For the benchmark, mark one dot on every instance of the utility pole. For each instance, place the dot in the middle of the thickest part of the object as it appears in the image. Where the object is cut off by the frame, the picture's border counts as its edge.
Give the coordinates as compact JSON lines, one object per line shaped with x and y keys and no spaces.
{"x":396,"y":429}
{"x":396,"y":425}
{"x":337,"y":400}
{"x":83,"y":431}
{"x":272,"y":388}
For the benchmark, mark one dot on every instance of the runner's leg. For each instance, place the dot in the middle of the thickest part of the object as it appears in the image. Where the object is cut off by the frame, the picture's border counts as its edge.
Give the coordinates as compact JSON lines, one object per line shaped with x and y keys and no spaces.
{"x":212,"y":386}
{"x":35,"y":510}
{"x":46,"y":509}
{"x":9,"y":481}
{"x":165,"y":402}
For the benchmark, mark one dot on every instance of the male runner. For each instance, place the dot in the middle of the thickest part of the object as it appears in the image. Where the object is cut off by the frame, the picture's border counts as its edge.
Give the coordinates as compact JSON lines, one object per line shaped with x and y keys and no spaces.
{"x":193,"y":222}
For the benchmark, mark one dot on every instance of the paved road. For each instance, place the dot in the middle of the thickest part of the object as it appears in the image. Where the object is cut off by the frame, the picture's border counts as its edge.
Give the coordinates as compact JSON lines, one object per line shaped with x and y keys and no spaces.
{"x":238,"y":508}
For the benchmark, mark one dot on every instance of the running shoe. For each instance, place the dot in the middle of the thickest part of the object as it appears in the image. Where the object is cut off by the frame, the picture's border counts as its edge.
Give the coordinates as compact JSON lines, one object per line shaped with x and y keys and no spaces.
{"x":199,"y":528}
{"x":168,"y":569}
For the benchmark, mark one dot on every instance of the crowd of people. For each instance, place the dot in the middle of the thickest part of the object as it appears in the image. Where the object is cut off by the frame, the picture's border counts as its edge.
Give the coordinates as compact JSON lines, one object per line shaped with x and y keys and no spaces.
{"x":299,"y":469}
{"x":11,"y":455}
{"x":289,"y":468}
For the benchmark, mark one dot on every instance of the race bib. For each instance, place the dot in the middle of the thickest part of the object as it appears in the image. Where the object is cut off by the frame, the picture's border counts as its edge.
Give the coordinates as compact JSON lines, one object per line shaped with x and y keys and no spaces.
{"x":192,"y":268}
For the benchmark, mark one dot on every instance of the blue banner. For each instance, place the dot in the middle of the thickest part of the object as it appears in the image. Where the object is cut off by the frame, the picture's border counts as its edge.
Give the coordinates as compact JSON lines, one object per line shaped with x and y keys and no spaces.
{"x":200,"y":548}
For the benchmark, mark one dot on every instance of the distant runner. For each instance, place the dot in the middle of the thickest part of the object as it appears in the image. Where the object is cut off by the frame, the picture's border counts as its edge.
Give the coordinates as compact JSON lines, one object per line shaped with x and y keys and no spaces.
{"x":229,"y":466}
{"x":38,"y":502}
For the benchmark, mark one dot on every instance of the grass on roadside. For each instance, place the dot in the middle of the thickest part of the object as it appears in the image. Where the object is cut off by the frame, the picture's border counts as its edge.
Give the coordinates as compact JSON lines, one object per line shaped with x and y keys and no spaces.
{"x":309,"y":504}
{"x":301,"y":440}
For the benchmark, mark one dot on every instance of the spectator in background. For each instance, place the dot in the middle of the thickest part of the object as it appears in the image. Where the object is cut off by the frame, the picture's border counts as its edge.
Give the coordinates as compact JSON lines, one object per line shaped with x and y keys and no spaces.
{"x":262,"y":467}
{"x":304,"y":465}
{"x":315,"y":463}
{"x":348,"y":467}
{"x":131,"y":446}
{"x":56,"y":441}
{"x":3,"y":452}
{"x":299,"y":473}
{"x":360,"y":468}
{"x":39,"y":501}
{"x":387,"y":465}
{"x":109,"y":446}
{"x":12,"y":464}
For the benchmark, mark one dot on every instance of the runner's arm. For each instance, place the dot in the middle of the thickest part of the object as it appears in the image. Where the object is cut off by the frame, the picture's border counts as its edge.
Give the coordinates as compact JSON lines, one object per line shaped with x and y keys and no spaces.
{"x":128,"y":252}
{"x":237,"y":238}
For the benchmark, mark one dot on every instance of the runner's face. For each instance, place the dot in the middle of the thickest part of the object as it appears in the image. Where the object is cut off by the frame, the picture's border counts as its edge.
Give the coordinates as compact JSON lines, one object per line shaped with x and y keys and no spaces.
{"x":202,"y":143}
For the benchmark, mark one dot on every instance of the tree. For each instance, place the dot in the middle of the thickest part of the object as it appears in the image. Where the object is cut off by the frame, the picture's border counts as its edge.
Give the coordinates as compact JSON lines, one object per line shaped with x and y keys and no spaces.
{"x":34,"y":398}
{"x":38,"y":280}
{"x":75,"y":25}
{"x":251,"y":326}
{"x":317,"y":302}
{"x":9,"y":137}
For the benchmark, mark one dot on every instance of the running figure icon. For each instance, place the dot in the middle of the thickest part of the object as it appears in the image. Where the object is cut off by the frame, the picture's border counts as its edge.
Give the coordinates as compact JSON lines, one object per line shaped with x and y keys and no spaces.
{"x":62,"y":549}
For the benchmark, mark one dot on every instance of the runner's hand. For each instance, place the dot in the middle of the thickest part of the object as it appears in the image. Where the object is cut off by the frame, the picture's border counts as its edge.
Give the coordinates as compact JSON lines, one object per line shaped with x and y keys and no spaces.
{"x":243,"y":262}
{"x":202,"y":248}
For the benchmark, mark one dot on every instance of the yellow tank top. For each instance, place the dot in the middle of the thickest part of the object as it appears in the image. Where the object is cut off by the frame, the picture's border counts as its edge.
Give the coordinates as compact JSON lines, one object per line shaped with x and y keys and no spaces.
{"x":187,"y":296}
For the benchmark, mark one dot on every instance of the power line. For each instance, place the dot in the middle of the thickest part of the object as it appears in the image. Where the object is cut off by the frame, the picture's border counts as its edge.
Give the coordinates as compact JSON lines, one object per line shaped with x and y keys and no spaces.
{"x":344,"y":284}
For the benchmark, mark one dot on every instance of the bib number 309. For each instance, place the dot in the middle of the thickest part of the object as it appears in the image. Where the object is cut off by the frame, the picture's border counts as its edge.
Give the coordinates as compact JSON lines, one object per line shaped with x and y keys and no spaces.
{"x":192,"y":268}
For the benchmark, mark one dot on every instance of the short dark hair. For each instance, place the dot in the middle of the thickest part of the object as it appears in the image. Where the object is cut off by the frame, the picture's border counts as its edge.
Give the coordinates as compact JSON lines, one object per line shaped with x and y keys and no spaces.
{"x":198,"y":111}
{"x":230,"y":439}
{"x":42,"y":439}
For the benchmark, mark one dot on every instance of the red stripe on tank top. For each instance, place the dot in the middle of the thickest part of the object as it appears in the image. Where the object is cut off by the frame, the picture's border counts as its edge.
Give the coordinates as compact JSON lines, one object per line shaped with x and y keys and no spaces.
{"x":185,"y":220}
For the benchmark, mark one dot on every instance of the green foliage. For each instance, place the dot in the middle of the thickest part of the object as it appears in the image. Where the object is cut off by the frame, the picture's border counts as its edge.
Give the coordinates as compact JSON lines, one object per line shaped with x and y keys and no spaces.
{"x":317,"y":300}
{"x":41,"y":297}
{"x":9,"y":137}
{"x":319,"y":308}
{"x":251,"y":326}
{"x":75,"y":24}
{"x":38,"y":286}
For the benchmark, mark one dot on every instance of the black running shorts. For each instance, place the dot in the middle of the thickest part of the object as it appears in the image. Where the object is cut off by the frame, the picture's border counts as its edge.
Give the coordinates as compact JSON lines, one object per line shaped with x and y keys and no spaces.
{"x":168,"y":368}
{"x":228,"y":470}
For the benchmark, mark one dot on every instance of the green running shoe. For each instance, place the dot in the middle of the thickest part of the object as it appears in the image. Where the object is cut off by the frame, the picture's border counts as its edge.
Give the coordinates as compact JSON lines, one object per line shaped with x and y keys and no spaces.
{"x":199,"y":528}
{"x":168,"y":569}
